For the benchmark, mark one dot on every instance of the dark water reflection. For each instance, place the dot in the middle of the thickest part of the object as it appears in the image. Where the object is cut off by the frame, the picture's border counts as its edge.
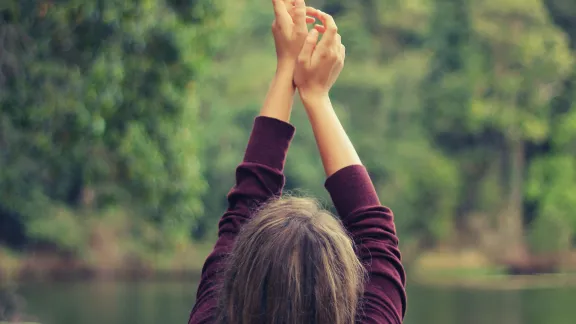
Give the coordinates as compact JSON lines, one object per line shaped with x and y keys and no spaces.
{"x":170,"y":302}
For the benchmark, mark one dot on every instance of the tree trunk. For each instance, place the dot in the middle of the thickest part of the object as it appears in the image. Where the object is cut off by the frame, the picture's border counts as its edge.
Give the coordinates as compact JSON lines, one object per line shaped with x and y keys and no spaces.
{"x":511,"y":222}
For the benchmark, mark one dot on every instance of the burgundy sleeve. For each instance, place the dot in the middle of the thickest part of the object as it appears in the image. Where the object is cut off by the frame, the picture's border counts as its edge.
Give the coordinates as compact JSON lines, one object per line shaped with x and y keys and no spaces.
{"x":371,"y":225}
{"x":258,"y":178}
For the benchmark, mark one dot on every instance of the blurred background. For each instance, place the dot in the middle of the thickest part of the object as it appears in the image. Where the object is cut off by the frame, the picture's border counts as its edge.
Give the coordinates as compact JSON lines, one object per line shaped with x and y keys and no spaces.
{"x":121,"y":123}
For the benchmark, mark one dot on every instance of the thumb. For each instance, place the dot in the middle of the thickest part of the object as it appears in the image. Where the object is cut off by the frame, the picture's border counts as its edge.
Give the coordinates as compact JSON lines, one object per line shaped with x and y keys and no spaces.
{"x":309,"y":45}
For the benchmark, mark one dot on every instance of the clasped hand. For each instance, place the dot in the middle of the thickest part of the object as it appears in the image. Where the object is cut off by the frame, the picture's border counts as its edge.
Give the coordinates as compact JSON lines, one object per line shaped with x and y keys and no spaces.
{"x":315,"y":64}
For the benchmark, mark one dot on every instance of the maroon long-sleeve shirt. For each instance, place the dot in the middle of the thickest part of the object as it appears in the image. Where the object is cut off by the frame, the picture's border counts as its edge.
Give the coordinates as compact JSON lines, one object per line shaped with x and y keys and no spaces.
{"x":260,"y":177}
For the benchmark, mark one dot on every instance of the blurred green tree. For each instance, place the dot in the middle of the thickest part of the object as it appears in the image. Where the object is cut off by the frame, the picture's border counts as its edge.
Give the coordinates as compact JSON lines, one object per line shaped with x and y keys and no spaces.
{"x":99,"y":110}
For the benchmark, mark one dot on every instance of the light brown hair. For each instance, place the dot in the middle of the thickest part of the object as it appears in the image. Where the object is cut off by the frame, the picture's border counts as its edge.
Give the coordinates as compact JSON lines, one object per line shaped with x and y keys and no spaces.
{"x":293,"y":263}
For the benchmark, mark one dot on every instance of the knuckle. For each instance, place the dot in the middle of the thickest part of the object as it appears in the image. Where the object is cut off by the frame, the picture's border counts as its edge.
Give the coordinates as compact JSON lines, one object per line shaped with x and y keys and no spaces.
{"x":299,"y":33}
{"x":333,"y":54}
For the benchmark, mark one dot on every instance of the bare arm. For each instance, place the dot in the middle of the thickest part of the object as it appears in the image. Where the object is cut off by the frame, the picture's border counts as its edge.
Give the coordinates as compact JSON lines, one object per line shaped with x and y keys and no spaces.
{"x":318,"y":67}
{"x":336,"y":149}
{"x":280,"y":98}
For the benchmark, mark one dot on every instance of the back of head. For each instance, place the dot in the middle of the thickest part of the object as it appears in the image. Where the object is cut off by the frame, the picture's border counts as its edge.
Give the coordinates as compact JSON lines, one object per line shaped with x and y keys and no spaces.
{"x":292,"y":263}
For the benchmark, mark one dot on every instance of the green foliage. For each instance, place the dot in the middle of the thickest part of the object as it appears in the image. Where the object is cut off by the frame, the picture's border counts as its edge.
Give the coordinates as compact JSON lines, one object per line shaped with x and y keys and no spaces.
{"x":457,"y":107}
{"x":98,"y":109}
{"x":496,"y":69}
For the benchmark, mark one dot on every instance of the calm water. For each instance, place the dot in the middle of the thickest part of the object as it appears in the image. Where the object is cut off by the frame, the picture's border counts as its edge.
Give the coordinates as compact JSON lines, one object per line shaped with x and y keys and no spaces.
{"x":167,"y":303}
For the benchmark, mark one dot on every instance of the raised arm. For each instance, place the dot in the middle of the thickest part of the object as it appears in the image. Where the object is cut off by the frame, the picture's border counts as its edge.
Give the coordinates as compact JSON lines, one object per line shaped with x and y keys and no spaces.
{"x":260,"y":175}
{"x":370,"y":224}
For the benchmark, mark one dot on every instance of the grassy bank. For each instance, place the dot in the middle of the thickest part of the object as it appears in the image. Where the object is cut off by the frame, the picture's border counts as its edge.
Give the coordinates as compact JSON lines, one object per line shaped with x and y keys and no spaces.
{"x":54,"y":266}
{"x":471,"y":269}
{"x":468,"y":269}
{"x":113,"y":243}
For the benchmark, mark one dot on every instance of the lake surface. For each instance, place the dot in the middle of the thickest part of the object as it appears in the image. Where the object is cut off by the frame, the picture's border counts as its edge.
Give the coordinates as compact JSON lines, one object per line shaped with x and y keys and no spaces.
{"x":170,"y":302}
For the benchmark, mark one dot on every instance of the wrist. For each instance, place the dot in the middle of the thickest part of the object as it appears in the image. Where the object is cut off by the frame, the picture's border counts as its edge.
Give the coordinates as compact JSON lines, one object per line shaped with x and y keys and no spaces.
{"x":285,"y":74}
{"x":278,"y":102}
{"x":312,"y":99}
{"x":285,"y":66}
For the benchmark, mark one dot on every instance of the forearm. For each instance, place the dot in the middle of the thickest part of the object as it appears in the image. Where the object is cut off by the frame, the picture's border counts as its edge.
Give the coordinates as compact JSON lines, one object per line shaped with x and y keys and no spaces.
{"x":336,"y":149}
{"x":280,"y":98}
